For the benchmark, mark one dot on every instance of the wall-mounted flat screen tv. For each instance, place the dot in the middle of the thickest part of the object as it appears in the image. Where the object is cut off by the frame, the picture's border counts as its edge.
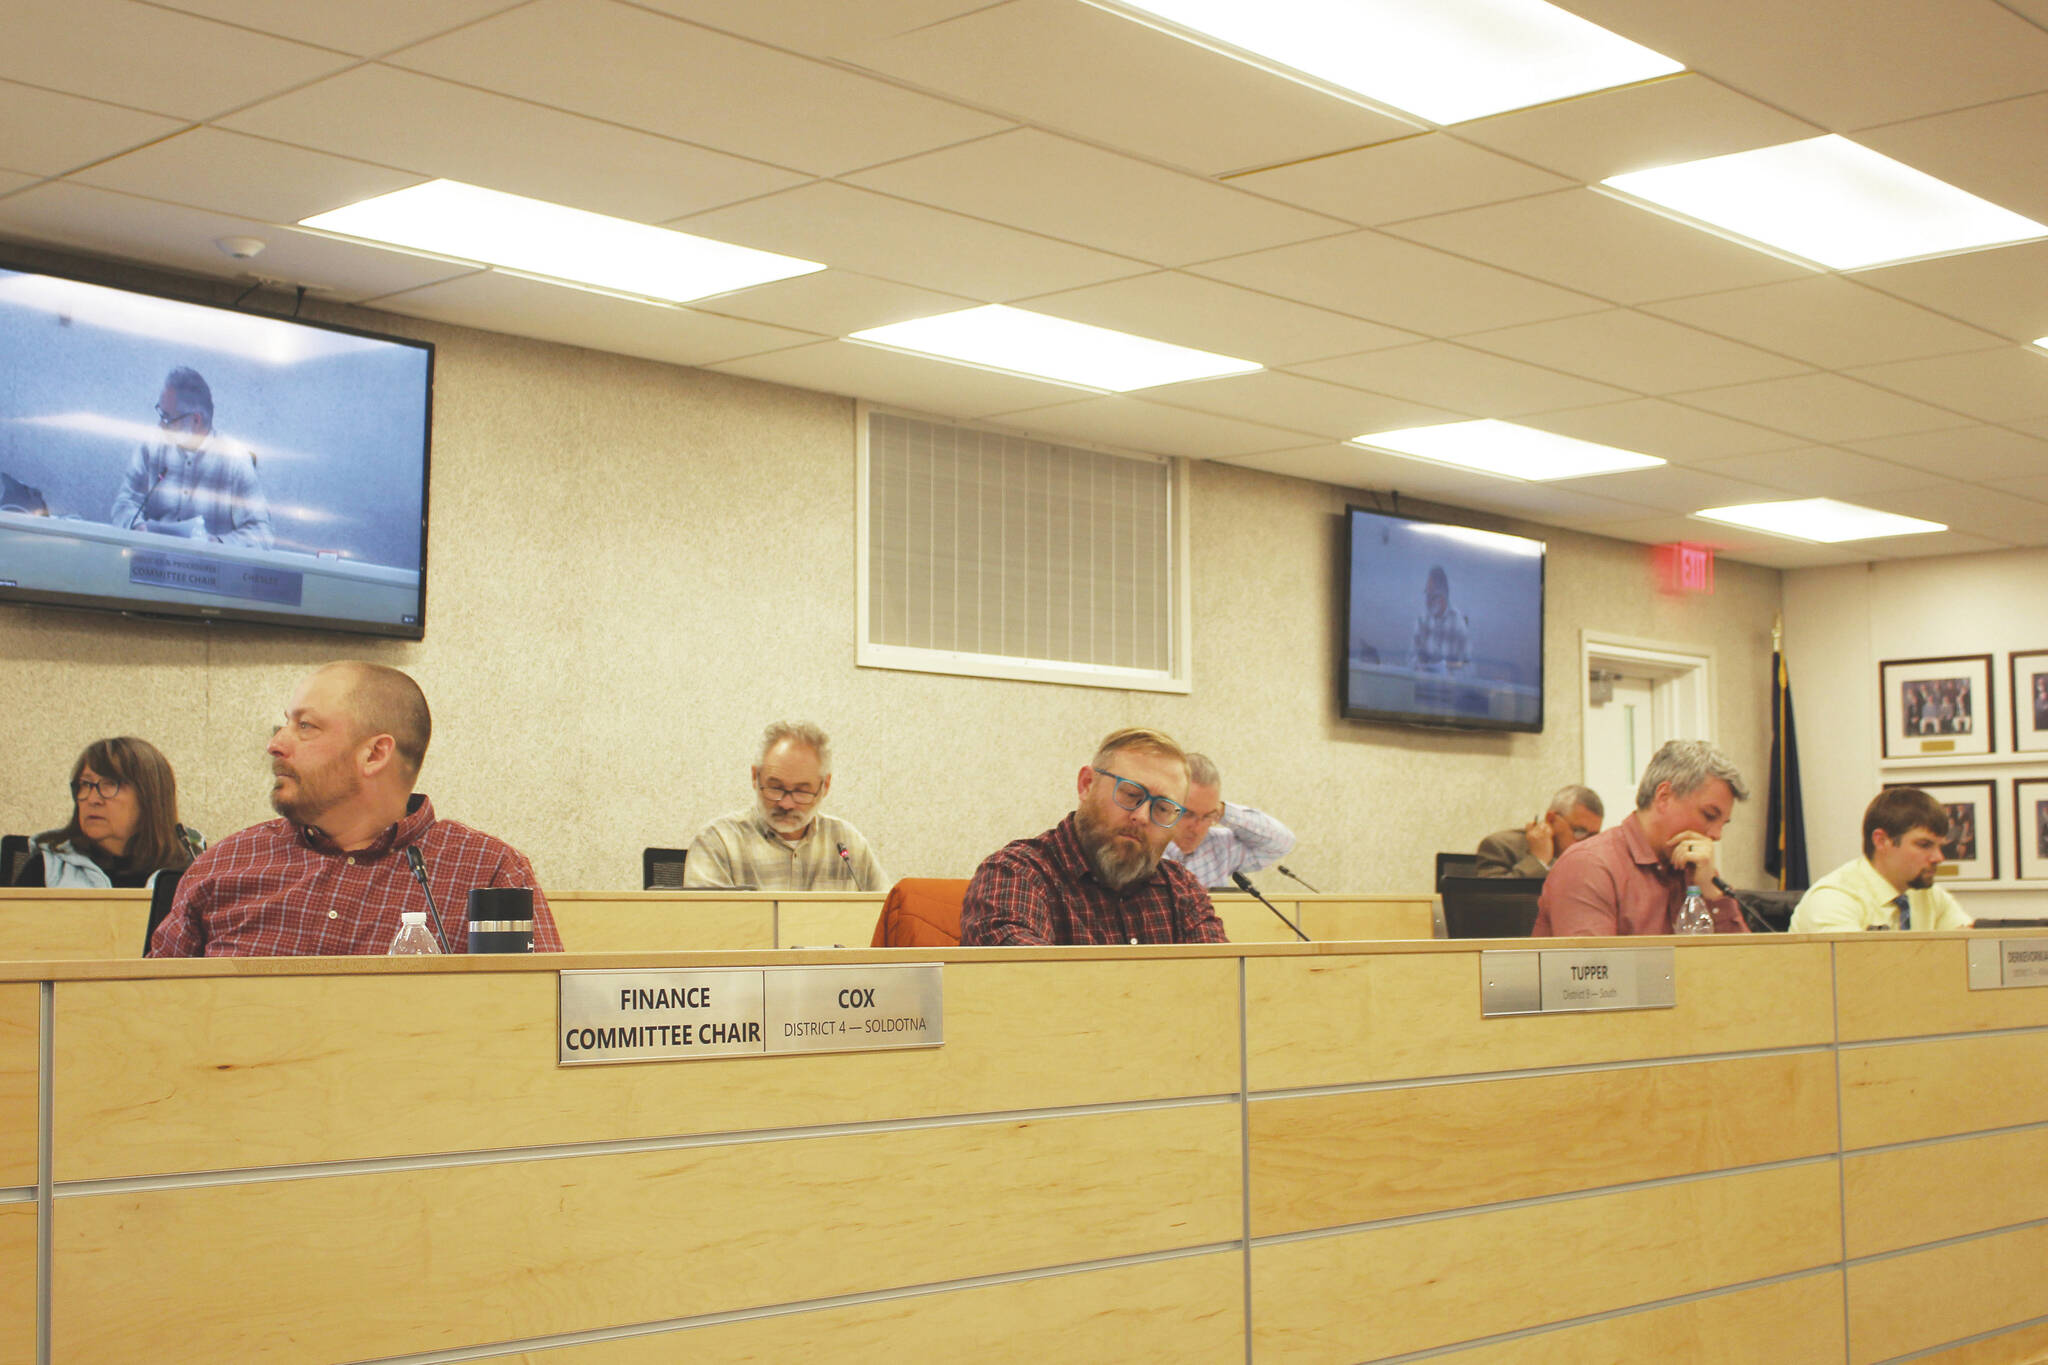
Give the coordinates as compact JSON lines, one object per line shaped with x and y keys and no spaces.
{"x":177,"y":459}
{"x":1443,"y":624}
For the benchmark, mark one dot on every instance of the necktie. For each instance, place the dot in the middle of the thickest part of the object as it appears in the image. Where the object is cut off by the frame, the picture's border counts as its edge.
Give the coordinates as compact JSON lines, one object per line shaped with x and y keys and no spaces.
{"x":1905,"y":911}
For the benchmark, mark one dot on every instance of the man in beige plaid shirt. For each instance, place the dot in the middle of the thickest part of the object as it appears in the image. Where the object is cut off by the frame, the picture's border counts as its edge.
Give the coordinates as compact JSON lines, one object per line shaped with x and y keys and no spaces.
{"x":783,"y":842}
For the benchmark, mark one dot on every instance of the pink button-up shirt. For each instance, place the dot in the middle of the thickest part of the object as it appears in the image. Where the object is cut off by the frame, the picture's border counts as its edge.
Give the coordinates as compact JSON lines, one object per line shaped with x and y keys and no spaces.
{"x":1616,"y":883}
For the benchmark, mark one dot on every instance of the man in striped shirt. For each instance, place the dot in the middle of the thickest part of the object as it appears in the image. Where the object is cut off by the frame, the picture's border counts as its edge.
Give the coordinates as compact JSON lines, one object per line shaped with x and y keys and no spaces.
{"x":1216,"y":838}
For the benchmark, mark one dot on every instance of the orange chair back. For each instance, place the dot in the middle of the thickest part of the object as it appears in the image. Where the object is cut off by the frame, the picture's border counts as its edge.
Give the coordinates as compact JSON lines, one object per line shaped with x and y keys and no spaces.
{"x":921,"y":912}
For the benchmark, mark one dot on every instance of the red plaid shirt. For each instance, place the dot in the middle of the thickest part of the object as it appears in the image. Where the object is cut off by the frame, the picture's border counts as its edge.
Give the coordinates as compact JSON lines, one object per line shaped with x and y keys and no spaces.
{"x":1043,"y":890}
{"x":280,"y":890}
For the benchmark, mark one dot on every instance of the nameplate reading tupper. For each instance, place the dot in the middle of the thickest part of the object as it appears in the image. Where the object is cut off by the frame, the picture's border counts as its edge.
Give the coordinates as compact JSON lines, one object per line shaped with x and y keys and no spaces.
{"x":1997,"y":963}
{"x":1575,"y":980}
{"x":685,"y":1015}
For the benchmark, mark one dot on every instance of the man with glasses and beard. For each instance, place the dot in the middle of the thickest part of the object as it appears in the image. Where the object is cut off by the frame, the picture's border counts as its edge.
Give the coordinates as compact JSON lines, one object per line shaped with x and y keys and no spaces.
{"x":783,"y":842}
{"x":195,"y":482}
{"x":1097,"y":876}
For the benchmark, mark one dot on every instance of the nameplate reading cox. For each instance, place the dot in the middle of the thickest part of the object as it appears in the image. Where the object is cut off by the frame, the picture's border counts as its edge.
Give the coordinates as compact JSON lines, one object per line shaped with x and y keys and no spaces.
{"x":685,"y":1015}
{"x":1998,"y":963}
{"x":1575,"y":980}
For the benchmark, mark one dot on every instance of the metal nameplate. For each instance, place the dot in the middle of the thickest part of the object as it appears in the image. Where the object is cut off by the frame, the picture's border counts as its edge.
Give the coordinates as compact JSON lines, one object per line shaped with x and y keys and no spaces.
{"x":685,"y":1015}
{"x":1999,"y":963}
{"x":1576,"y":981}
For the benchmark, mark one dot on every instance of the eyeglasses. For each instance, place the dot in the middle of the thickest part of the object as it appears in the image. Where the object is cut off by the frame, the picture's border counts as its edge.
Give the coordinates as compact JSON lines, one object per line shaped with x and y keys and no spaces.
{"x":106,"y":788}
{"x":775,"y":791}
{"x":165,"y":419}
{"x":1164,"y":811}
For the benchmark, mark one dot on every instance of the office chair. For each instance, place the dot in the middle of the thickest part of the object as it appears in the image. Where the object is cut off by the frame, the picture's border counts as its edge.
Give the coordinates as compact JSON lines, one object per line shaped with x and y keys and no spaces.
{"x":661,"y":869}
{"x":162,"y":892}
{"x":1490,"y":907}
{"x":14,"y":853}
{"x":921,"y":912}
{"x":1455,"y":865}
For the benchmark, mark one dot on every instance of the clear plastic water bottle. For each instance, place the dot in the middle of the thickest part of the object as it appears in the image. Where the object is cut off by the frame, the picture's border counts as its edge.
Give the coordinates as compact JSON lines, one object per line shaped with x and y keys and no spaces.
{"x":1693,"y":916}
{"x":414,"y":939}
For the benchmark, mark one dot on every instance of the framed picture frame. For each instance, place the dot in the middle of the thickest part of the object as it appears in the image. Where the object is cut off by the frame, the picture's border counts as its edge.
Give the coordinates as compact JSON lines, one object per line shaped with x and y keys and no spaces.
{"x":2030,"y":828}
{"x":1936,"y":707}
{"x":1971,"y":851}
{"x":2029,"y":700}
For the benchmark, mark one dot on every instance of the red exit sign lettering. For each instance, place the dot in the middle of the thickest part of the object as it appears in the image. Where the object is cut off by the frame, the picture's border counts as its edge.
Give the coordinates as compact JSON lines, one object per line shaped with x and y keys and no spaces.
{"x":1685,"y":568}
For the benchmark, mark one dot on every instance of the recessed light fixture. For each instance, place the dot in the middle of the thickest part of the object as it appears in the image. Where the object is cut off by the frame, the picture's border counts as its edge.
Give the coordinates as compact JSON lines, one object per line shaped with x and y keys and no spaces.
{"x":1026,"y":343}
{"x":1831,"y":201}
{"x":1506,"y":450}
{"x":557,"y":243}
{"x":1444,"y":60}
{"x":1820,"y":519}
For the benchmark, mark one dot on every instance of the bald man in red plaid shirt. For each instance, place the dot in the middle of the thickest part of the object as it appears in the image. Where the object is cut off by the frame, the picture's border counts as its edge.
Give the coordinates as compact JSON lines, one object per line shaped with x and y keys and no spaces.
{"x":332,"y":876}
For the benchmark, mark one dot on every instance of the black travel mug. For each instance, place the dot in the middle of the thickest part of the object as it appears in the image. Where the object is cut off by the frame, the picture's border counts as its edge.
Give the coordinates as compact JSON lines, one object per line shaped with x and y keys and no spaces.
{"x":501,"y":919}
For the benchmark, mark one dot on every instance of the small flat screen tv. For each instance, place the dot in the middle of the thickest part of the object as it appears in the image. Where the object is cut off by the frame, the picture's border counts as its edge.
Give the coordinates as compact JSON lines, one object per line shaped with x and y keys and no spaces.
{"x":1443,"y":624}
{"x":167,"y":458}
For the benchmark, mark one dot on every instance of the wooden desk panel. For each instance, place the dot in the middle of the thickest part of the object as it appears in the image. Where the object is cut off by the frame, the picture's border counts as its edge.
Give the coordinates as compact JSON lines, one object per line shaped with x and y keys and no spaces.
{"x":1899,"y":1092}
{"x":590,"y":926}
{"x":1922,"y":1299}
{"x":18,"y":1284}
{"x":71,"y":926}
{"x":1914,"y":1195}
{"x":222,"y":1072}
{"x":20,"y":1042}
{"x":1920,"y":985}
{"x":819,"y":923}
{"x":1410,"y":1286}
{"x":1329,"y":920}
{"x":2025,"y":1346}
{"x":450,"y":1256}
{"x":1344,"y":1019}
{"x":1325,"y":1160}
{"x":1177,"y":1312}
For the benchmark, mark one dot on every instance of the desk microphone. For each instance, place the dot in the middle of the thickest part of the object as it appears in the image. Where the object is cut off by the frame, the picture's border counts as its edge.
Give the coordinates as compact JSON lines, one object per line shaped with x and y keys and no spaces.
{"x":1244,"y":884}
{"x":419,"y":873}
{"x":1284,"y":870}
{"x":847,"y":858}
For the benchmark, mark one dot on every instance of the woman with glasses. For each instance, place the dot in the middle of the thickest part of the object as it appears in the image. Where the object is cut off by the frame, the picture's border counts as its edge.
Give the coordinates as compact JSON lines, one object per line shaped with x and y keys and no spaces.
{"x":124,"y":822}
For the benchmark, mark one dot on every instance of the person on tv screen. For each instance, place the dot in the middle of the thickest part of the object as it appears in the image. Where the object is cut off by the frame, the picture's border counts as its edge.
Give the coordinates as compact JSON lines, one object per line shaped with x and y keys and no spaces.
{"x":124,"y":822}
{"x":1442,"y":642}
{"x":195,"y":482}
{"x":1892,"y":885}
{"x":1575,"y":813}
{"x":1631,"y":877}
{"x":1098,"y":875}
{"x":355,"y":843}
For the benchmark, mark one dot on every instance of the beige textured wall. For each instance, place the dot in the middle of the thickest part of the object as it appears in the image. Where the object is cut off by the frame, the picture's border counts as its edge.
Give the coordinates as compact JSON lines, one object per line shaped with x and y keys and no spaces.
{"x":634,"y":566}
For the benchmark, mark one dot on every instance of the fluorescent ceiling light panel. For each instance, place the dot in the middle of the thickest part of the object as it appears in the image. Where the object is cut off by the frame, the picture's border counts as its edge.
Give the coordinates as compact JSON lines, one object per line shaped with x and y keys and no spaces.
{"x":1021,"y":342}
{"x":1506,"y":450}
{"x":2042,"y":342}
{"x":1445,"y":60}
{"x":1820,"y":519}
{"x":1829,"y":200}
{"x":447,"y":218}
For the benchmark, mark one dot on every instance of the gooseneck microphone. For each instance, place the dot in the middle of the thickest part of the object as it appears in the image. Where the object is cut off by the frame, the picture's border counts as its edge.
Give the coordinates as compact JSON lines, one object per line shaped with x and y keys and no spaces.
{"x":1284,"y":870}
{"x":847,"y":859}
{"x":419,"y":873}
{"x":1244,"y":884}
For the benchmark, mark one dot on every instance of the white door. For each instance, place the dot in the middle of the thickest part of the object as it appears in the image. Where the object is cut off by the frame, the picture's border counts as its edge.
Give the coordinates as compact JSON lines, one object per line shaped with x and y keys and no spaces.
{"x":1620,"y":737}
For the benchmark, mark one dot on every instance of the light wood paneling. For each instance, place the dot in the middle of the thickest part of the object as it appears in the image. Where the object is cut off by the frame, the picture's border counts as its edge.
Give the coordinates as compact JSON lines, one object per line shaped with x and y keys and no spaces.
{"x":1325,"y":1160}
{"x":71,"y":926}
{"x":1904,"y":986}
{"x":821,"y":923}
{"x":1347,"y":1018}
{"x":1905,"y":1091}
{"x":179,"y":1075}
{"x":20,"y":1038}
{"x":664,"y":927}
{"x":2027,"y":1346}
{"x":419,"y":1260}
{"x":1796,"y":1322}
{"x":1385,"y":917}
{"x":1161,"y":1313}
{"x":1383,"y":1291}
{"x":1916,"y":1195}
{"x":18,"y":1284}
{"x":1922,"y":1299}
{"x":1246,"y":921}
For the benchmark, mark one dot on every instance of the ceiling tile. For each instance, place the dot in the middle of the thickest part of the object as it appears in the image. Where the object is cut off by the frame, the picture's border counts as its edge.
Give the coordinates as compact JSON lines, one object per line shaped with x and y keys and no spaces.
{"x":2035,"y":426}
{"x":364,"y":27}
{"x":496,"y":302}
{"x":1062,"y":188}
{"x":244,"y":176}
{"x":834,"y":302}
{"x":77,"y":218}
{"x":1683,"y":117}
{"x":1996,"y":386}
{"x":2004,"y":290}
{"x":874,"y":234}
{"x":1188,"y":310}
{"x":648,"y":71}
{"x":1819,"y":472}
{"x":1822,"y":407}
{"x":1381,"y":278}
{"x":1351,"y":467}
{"x":1939,"y":545}
{"x":2034,"y":486}
{"x":1967,"y":507}
{"x":1427,"y":173}
{"x":1972,"y":454}
{"x":428,"y":126}
{"x":1991,"y":150}
{"x":1071,"y":67}
{"x":1680,"y":488}
{"x":1829,"y":321}
{"x":1599,"y":245}
{"x":11,"y":181}
{"x":1461,"y":380}
{"x":905,"y":381}
{"x":1730,"y":542}
{"x":1134,"y":424}
{"x":1654,"y":427}
{"x":1300,"y":405}
{"x":43,"y":133}
{"x":1635,"y":351}
{"x":822,"y":27}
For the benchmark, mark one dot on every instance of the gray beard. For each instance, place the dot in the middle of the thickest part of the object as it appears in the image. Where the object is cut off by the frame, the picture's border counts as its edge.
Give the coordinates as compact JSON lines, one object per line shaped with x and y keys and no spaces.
{"x":1117,"y":870}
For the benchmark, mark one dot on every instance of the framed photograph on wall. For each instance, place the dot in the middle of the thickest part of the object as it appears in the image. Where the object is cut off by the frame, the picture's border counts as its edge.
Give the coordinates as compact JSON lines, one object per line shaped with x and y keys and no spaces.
{"x":1972,"y":847}
{"x":1936,"y":706}
{"x":2030,"y":701}
{"x":2030,"y":828}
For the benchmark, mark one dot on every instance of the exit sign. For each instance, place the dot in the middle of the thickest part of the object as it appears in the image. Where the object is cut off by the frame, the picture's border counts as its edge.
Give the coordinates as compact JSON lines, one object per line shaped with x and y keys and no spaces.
{"x":1685,"y":568}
